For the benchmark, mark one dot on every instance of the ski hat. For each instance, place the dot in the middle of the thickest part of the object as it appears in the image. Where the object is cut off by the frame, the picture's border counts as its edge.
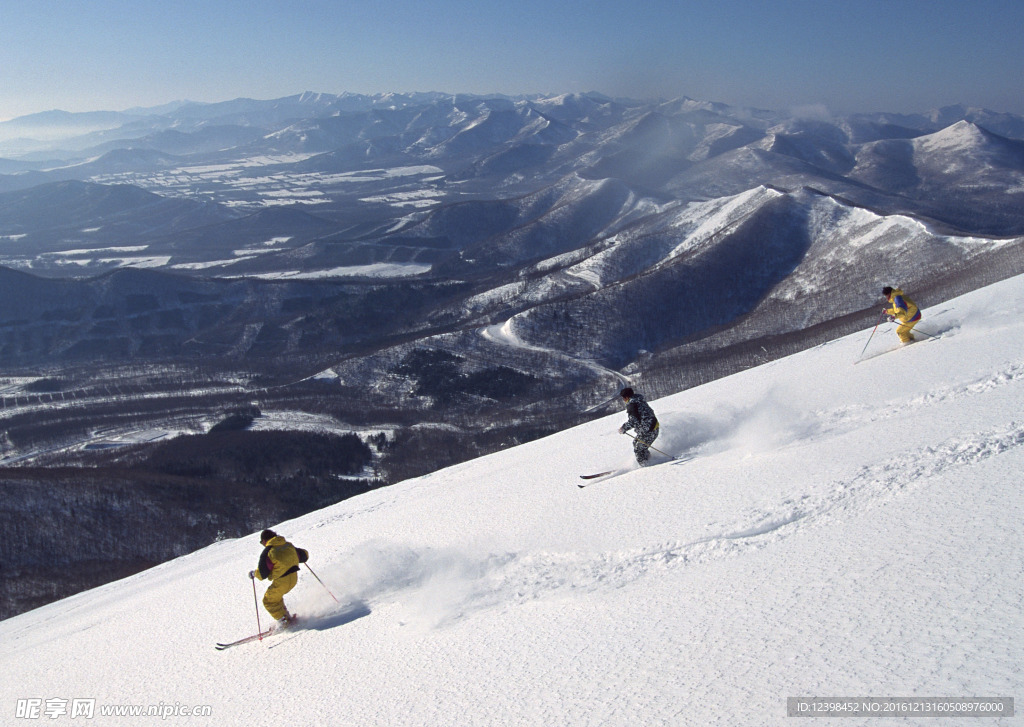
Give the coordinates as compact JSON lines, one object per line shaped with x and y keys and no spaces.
{"x":626,"y":393}
{"x":887,"y":291}
{"x":267,"y":535}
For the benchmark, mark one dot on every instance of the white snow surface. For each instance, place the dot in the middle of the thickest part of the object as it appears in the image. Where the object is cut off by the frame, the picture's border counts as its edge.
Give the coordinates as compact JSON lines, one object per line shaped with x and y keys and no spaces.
{"x":830,"y":528}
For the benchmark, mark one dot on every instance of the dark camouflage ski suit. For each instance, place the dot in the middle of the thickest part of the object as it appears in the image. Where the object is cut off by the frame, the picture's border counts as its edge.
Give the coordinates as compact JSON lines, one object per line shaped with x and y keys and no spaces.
{"x":643,"y":420}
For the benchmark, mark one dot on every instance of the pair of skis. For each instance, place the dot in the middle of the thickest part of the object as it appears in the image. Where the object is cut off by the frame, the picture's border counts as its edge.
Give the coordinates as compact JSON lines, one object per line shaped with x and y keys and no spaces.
{"x":598,"y":475}
{"x":593,"y":477}
{"x":255,"y":637}
{"x":246,"y":640}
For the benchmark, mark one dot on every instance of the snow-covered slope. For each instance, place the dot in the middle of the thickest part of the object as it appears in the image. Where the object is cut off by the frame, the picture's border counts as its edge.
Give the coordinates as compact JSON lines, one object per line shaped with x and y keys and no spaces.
{"x":829,"y":528}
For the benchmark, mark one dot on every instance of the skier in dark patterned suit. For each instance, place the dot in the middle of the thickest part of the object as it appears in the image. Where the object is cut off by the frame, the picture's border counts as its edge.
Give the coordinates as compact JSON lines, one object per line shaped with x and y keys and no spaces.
{"x":643,"y":420}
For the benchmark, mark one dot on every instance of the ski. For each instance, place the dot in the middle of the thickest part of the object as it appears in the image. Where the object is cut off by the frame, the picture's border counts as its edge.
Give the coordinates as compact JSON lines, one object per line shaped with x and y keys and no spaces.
{"x":894,"y":349}
{"x":246,"y":640}
{"x":672,"y":460}
{"x":272,"y":630}
{"x":900,"y":347}
{"x":593,"y":477}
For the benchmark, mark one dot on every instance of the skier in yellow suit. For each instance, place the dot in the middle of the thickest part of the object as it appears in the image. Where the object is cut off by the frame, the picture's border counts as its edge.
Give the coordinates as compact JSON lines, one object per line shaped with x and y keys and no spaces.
{"x":279,"y":562}
{"x":902,"y":309}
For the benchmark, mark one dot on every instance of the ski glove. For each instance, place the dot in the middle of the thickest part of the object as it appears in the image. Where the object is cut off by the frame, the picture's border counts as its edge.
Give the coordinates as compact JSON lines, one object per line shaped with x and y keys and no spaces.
{"x":252,"y":575}
{"x":622,"y":429}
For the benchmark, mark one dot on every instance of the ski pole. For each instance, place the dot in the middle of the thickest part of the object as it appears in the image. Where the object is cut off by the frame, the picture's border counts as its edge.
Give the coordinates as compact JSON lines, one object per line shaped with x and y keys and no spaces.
{"x":877,"y":324}
{"x":259,"y":628}
{"x":322,"y":583}
{"x":649,"y":446}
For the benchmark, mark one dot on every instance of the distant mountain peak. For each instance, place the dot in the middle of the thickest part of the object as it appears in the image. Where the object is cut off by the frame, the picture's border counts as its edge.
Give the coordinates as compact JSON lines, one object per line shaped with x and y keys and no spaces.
{"x":961,"y":135}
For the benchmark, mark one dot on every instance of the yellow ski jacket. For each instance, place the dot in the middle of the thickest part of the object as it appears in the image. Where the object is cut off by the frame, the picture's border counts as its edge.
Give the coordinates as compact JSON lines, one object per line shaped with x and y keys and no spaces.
{"x":902,"y":308}
{"x":278,"y":559}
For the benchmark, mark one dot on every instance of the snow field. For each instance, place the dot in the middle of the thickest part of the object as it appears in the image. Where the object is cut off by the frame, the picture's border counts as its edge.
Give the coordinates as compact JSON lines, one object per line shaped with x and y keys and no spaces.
{"x":829,"y":529}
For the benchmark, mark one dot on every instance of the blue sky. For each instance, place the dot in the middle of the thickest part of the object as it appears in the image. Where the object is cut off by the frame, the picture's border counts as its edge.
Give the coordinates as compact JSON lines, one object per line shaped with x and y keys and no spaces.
{"x":859,"y":55}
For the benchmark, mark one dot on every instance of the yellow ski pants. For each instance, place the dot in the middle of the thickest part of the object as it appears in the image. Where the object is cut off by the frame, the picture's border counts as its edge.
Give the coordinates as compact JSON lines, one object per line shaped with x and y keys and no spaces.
{"x":903,"y":330}
{"x":273,"y":599}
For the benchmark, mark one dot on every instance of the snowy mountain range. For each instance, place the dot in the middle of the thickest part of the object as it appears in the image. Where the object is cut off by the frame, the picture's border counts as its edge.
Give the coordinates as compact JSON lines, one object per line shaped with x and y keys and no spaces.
{"x":843,"y":522}
{"x":608,"y":212}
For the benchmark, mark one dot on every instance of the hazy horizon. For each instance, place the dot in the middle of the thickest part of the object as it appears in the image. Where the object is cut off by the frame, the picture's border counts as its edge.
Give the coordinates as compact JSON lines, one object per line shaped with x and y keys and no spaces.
{"x":907,"y":57}
{"x":808,"y":111}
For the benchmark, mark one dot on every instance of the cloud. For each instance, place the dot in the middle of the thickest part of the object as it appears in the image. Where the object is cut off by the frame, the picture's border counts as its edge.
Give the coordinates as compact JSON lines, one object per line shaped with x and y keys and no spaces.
{"x":811,"y":112}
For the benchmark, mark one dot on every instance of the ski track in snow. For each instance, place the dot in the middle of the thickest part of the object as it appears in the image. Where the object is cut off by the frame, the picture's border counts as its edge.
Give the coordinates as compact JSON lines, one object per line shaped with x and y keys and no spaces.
{"x":841,"y":417}
{"x":520,"y":577}
{"x":441,"y":587}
